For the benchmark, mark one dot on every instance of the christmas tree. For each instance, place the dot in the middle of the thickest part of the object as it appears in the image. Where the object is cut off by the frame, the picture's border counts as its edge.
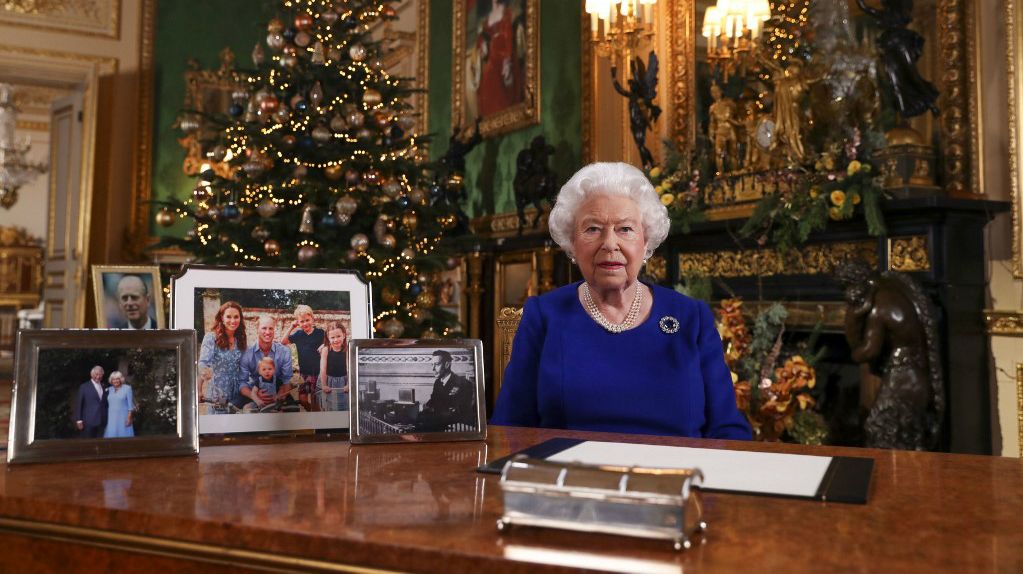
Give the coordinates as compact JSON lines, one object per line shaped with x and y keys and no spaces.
{"x":315,"y":166}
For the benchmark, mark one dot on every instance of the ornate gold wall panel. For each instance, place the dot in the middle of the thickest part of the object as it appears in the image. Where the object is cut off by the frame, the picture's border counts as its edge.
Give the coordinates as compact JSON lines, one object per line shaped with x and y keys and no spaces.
{"x":84,"y":17}
{"x":142,"y":189}
{"x":909,"y":253}
{"x":809,"y":260}
{"x":959,"y":108}
{"x":1014,"y":35}
{"x":1004,"y":323}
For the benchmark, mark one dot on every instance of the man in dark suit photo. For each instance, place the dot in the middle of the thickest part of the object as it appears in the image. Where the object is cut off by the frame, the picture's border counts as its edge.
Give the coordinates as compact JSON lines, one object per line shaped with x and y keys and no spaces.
{"x":133,"y":302}
{"x":452,"y":401}
{"x":91,"y":406}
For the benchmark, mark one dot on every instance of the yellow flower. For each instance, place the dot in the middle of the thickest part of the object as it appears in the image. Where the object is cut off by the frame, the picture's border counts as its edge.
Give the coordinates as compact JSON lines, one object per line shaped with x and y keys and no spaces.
{"x":854,"y":166}
{"x":835,"y":213}
{"x":655,"y":172}
{"x":856,"y":199}
{"x":838,"y":197}
{"x":814,"y":192}
{"x":667,"y":199}
{"x":829,"y":162}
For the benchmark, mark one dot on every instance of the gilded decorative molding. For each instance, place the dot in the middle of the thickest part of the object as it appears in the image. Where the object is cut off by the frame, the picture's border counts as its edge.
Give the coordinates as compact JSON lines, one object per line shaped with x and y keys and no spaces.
{"x":1004,"y":323}
{"x":957,"y":118}
{"x":422,"y":99}
{"x":139,"y":228}
{"x":1013,"y":21}
{"x":81,"y":17}
{"x":588,"y":87}
{"x":819,"y":259}
{"x":1019,"y":405}
{"x":30,"y":126}
{"x":34,"y":99}
{"x":507,"y":224}
{"x":682,"y":72}
{"x":909,"y":253}
{"x":517,"y":116}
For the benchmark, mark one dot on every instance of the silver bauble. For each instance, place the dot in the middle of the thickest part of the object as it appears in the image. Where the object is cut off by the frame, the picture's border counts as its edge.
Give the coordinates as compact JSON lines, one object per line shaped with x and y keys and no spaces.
{"x":303,"y":39}
{"x":321,"y":134}
{"x":346,"y":204}
{"x":275,"y":41}
{"x":329,"y":17}
{"x":408,"y":253}
{"x":260,"y":233}
{"x":267,"y":208}
{"x":337,"y":123}
{"x":343,"y":218}
{"x":307,"y":252}
{"x":282,"y":114}
{"x":360,"y":242}
{"x":316,"y":94}
{"x":356,"y":118}
{"x":357,"y":52}
{"x":389,"y":241}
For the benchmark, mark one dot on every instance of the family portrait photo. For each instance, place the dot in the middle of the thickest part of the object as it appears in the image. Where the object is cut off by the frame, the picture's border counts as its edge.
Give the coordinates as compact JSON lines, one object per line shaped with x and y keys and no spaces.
{"x":98,"y":393}
{"x":407,"y":387}
{"x":272,"y":358}
{"x":128,"y":297}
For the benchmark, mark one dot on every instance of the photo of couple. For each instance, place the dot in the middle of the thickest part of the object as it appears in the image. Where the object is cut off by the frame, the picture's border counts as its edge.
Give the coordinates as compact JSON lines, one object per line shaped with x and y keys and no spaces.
{"x":272,"y":351}
{"x":106,"y":393}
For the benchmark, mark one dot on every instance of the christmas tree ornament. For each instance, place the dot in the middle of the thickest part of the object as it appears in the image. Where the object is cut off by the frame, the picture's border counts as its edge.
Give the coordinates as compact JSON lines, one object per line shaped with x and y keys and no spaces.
{"x":343,"y":218}
{"x":275,"y":26}
{"x":346,"y":204}
{"x":408,"y":253}
{"x":288,"y":141}
{"x":371,"y":176}
{"x":290,"y":61}
{"x":251,"y":112}
{"x":333,"y":172}
{"x":307,"y":253}
{"x":389,"y":241}
{"x":258,"y":55}
{"x":360,"y":242}
{"x":165,"y":217}
{"x":328,"y":221}
{"x":321,"y":134}
{"x":352,"y":176}
{"x":306,"y":224}
{"x":415,"y":289}
{"x":303,"y":39}
{"x":260,"y":233}
{"x":201,"y":193}
{"x":371,"y":97}
{"x":419,"y":315}
{"x":429,"y":334}
{"x":218,"y":153}
{"x":417,"y":195}
{"x":337,"y":123}
{"x":271,"y":247}
{"x":357,"y":52}
{"x":402,"y":202}
{"x":334,"y":54}
{"x":382,"y":119}
{"x":389,"y":295}
{"x":299,"y":172}
{"x":235,"y":110}
{"x":396,"y":133}
{"x":392,"y":328}
{"x":303,"y":21}
{"x":275,"y":42}
{"x":269,"y":104}
{"x":352,"y":255}
{"x":426,"y":299}
{"x":213,"y":213}
{"x":391,"y":186}
{"x":355,"y":118}
{"x":289,"y":34}
{"x":364,"y":134}
{"x":329,"y":17}
{"x":231,"y":212}
{"x":319,"y":56}
{"x":410,"y":220}
{"x":253,"y":168}
{"x":267,"y":208}
{"x":316,"y":94}
{"x":261,"y":95}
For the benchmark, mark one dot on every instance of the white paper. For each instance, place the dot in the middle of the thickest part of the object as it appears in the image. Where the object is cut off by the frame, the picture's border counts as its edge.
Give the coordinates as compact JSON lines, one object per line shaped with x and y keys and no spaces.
{"x":739,"y":471}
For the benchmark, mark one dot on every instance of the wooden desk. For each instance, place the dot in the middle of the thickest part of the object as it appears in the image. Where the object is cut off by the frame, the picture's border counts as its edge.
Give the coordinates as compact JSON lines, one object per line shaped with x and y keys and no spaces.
{"x":327,"y":506}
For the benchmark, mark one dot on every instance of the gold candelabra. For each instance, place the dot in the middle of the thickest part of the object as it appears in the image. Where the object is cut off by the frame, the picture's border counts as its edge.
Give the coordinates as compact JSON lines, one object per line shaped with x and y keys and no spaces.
{"x":617,"y":26}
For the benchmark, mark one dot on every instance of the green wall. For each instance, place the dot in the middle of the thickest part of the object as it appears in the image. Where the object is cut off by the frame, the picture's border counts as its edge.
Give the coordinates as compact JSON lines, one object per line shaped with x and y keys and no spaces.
{"x":197,"y":29}
{"x":490,"y":168}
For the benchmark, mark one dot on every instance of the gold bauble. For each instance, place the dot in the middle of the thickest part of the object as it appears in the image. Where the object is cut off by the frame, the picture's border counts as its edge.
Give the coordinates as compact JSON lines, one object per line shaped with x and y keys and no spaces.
{"x":333,"y":172}
{"x":272,"y":247}
{"x":392,"y":328}
{"x":426,"y":299}
{"x":389,"y":295}
{"x":371,"y":97}
{"x":410,"y":220}
{"x":165,"y":217}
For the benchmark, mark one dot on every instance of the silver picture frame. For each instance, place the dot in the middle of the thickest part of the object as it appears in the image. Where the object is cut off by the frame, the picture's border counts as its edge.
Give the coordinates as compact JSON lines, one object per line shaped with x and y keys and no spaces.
{"x":408,"y":390}
{"x":51,"y":365}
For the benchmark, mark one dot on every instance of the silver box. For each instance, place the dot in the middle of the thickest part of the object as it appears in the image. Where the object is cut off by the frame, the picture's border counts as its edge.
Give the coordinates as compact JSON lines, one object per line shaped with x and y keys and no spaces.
{"x":631,"y":501}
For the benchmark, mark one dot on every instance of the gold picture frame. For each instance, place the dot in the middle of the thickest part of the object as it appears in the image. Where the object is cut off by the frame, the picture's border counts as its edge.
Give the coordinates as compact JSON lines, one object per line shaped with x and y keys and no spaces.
{"x":513,"y":85}
{"x":110,"y":313}
{"x":1013,"y":23}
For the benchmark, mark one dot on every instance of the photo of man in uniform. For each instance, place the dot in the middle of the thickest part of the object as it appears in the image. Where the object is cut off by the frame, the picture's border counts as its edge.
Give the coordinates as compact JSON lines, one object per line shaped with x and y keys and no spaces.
{"x":453,"y":400}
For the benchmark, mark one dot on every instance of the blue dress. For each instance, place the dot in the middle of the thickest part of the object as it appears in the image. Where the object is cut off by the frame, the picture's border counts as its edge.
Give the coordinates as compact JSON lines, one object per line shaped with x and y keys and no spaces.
{"x":567,"y":372}
{"x":120,"y":402}
{"x":228,"y":374}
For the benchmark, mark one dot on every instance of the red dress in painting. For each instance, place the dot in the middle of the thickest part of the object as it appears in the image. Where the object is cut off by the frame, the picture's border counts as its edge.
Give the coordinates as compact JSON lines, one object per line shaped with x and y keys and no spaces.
{"x":501,"y":74}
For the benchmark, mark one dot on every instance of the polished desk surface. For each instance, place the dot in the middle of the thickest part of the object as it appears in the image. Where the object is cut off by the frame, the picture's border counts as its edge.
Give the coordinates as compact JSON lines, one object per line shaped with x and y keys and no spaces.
{"x":421,"y":507}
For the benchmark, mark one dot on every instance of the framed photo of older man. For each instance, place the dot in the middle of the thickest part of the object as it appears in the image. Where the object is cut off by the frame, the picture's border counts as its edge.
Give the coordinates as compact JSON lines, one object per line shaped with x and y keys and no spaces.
{"x":128,"y":297}
{"x":87,"y":393}
{"x":273,"y":345}
{"x":406,"y":390}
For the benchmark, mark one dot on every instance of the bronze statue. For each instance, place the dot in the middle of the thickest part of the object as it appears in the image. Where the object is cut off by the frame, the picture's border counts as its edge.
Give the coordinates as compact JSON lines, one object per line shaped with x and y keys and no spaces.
{"x":722,"y":129}
{"x":900,"y":49}
{"x":643,"y":112}
{"x":891,"y":328}
{"x":534,"y":181}
{"x":448,"y":188}
{"x":790,"y":85}
{"x":459,"y":145}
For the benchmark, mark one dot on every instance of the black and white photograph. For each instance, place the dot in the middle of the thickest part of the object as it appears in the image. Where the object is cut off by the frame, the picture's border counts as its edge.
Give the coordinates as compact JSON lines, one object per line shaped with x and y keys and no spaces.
{"x":128,"y":297}
{"x":403,"y":389}
{"x":272,"y":357}
{"x":105,"y":388}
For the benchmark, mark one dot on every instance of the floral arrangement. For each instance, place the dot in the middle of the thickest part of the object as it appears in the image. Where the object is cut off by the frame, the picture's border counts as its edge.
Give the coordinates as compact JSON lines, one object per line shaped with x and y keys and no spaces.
{"x":773,"y":388}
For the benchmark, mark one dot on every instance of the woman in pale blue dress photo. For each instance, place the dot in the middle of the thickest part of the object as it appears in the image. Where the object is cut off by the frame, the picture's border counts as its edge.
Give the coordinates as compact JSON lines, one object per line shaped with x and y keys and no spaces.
{"x":220,"y":357}
{"x":120,"y":408}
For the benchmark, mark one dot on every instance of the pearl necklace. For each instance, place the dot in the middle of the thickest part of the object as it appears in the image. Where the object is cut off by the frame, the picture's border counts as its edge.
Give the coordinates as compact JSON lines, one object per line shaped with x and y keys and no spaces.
{"x":630,"y":317}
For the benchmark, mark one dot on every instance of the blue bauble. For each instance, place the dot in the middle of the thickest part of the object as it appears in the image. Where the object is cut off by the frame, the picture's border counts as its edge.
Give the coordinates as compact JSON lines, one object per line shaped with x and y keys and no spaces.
{"x":235,"y":110}
{"x":289,"y":33}
{"x":328,"y":221}
{"x":230,"y":211}
{"x":306,"y":142}
{"x":415,"y":289}
{"x":301,"y":106}
{"x":402,"y":202}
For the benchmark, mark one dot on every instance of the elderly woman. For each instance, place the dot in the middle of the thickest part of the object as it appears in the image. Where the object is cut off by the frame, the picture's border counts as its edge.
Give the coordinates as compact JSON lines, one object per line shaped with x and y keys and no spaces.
{"x":611,"y":353}
{"x":121,"y":408}
{"x":220,"y":357}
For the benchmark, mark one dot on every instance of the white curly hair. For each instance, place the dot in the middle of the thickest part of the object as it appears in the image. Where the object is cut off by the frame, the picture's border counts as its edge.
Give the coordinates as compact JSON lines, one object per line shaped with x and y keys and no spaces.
{"x":610,"y":178}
